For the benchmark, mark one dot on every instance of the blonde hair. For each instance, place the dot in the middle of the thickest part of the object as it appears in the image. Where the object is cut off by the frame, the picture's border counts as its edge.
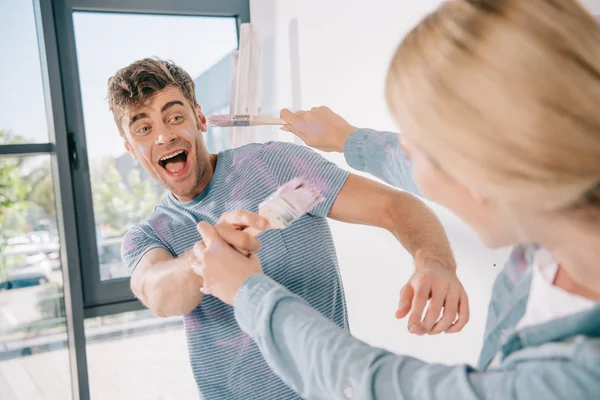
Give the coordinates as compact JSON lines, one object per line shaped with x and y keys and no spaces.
{"x":505,"y":96}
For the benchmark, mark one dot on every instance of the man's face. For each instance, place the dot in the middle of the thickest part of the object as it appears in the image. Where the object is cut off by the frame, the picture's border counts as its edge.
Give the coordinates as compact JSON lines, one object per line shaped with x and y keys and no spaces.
{"x":165,"y":135}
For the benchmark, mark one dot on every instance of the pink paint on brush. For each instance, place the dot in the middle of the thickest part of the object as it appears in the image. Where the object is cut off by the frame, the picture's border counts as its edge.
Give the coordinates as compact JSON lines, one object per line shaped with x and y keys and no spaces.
{"x":300,"y":194}
{"x":219,"y":120}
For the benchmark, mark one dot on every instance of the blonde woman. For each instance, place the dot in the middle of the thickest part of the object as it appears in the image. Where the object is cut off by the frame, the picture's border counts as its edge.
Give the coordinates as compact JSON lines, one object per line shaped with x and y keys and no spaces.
{"x":498,"y":105}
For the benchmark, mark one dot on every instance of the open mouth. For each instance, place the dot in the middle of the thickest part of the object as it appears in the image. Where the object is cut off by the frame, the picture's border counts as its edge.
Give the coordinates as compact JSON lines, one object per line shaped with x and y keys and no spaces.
{"x":175,"y":163}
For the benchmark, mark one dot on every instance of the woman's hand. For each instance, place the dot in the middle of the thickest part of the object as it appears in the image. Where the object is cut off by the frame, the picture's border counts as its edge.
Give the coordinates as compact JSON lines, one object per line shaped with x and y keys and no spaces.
{"x":224,"y":268}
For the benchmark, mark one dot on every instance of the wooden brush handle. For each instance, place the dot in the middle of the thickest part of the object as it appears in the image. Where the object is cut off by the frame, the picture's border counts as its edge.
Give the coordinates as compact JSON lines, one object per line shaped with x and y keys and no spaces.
{"x":259,"y":120}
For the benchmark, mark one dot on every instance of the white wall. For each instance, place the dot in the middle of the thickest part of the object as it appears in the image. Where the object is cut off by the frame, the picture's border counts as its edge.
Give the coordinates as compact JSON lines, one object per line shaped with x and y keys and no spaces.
{"x":345,"y":46}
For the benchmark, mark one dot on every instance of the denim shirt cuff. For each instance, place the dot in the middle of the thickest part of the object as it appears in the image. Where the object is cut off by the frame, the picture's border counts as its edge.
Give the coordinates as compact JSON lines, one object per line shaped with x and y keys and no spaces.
{"x":248,"y":300}
{"x":353,"y":148}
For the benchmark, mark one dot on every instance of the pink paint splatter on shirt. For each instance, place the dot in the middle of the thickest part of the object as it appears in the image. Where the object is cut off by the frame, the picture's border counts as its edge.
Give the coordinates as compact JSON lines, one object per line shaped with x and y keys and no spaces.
{"x":307,"y":172}
{"x":128,"y":245}
{"x":380,"y":140}
{"x":161,"y":226}
{"x":240,"y":344}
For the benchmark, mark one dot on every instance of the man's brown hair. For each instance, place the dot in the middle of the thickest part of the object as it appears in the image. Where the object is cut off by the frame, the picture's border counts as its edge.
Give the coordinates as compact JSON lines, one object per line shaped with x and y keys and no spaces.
{"x":136,"y":83}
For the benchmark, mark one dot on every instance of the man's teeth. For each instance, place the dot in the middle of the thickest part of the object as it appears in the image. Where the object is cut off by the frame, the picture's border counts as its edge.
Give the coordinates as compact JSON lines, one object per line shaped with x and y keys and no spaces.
{"x":171,"y":155}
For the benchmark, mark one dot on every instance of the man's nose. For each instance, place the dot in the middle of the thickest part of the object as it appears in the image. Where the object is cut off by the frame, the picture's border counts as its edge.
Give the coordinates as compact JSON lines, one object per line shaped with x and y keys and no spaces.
{"x":166,"y":136}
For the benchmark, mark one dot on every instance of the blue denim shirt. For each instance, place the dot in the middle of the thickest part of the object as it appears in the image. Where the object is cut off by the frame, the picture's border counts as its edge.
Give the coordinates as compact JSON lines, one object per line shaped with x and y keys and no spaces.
{"x":559,"y":359}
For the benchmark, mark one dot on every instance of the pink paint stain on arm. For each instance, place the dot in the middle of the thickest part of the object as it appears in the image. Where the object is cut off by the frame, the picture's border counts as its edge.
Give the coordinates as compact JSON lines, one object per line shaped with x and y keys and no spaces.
{"x":310,"y":128}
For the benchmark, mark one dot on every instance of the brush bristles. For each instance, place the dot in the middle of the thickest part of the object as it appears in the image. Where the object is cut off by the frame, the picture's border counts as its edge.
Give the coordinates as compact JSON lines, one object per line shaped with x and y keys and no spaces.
{"x":294,"y":199}
{"x":224,"y":120}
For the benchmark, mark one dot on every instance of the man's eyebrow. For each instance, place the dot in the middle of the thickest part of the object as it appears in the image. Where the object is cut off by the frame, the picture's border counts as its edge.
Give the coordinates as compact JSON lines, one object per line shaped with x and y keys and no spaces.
{"x":171,"y":104}
{"x":137,"y":117}
{"x":141,"y":115}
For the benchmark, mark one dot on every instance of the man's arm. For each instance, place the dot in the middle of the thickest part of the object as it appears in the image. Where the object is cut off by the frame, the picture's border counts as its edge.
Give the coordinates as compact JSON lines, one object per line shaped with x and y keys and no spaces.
{"x":363,"y":201}
{"x":166,"y":285}
{"x":417,"y":228}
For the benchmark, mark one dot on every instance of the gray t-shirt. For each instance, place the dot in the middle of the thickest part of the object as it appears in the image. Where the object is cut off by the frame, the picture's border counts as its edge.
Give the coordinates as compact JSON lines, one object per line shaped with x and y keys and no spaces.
{"x":226,"y":363}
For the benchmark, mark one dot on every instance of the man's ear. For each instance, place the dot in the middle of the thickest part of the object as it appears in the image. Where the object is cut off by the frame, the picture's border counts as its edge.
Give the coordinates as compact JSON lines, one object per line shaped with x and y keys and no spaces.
{"x":129,"y":148}
{"x":201,"y":118}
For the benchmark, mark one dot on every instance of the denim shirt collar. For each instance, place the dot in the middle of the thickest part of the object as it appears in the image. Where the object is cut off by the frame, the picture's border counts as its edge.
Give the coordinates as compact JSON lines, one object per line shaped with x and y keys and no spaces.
{"x":503,"y":337}
{"x":516,"y":300}
{"x":586,"y":323}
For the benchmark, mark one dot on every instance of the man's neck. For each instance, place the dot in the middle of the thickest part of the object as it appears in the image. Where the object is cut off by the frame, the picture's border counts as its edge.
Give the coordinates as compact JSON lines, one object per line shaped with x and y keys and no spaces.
{"x":209,"y":172}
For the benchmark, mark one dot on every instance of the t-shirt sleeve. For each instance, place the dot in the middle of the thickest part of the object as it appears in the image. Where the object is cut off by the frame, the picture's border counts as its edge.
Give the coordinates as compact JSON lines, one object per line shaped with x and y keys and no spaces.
{"x":286,"y":161}
{"x":137,"y":242}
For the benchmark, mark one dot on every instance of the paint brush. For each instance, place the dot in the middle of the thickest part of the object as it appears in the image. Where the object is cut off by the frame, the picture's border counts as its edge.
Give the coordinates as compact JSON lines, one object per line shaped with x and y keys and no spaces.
{"x":230,"y":120}
{"x":288,"y":204}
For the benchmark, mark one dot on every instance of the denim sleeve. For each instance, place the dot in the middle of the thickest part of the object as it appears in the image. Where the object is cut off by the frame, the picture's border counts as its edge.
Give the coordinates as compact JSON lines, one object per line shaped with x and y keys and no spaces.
{"x":379,"y":154}
{"x":319,"y":360}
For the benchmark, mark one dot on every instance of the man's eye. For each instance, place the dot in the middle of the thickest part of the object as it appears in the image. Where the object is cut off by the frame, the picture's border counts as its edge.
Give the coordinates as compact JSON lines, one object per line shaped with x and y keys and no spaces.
{"x":176,"y":118}
{"x":143,"y":130}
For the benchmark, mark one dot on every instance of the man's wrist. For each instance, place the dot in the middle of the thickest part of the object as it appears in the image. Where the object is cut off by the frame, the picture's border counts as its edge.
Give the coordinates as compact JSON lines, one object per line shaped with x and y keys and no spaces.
{"x":188,"y":270}
{"x":425,"y":258}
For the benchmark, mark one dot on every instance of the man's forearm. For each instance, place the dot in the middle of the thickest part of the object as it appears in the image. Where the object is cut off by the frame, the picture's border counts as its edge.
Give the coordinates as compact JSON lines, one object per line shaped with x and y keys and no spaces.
{"x":419,"y":230}
{"x":171,"y":288}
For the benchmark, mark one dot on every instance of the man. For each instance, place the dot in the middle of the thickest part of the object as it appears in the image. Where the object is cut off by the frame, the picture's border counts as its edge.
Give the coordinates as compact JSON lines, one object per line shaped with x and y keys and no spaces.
{"x":155,"y":108}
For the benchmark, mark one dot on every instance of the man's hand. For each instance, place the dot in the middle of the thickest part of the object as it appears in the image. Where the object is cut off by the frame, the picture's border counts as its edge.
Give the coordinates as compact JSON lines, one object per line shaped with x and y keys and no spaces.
{"x":437,"y":284}
{"x":223,"y":268}
{"x":319,"y":128}
{"x":231,"y":225}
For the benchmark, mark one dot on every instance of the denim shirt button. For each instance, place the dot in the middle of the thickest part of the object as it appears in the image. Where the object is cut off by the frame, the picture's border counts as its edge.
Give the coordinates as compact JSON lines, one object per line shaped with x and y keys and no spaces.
{"x":348,"y":392}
